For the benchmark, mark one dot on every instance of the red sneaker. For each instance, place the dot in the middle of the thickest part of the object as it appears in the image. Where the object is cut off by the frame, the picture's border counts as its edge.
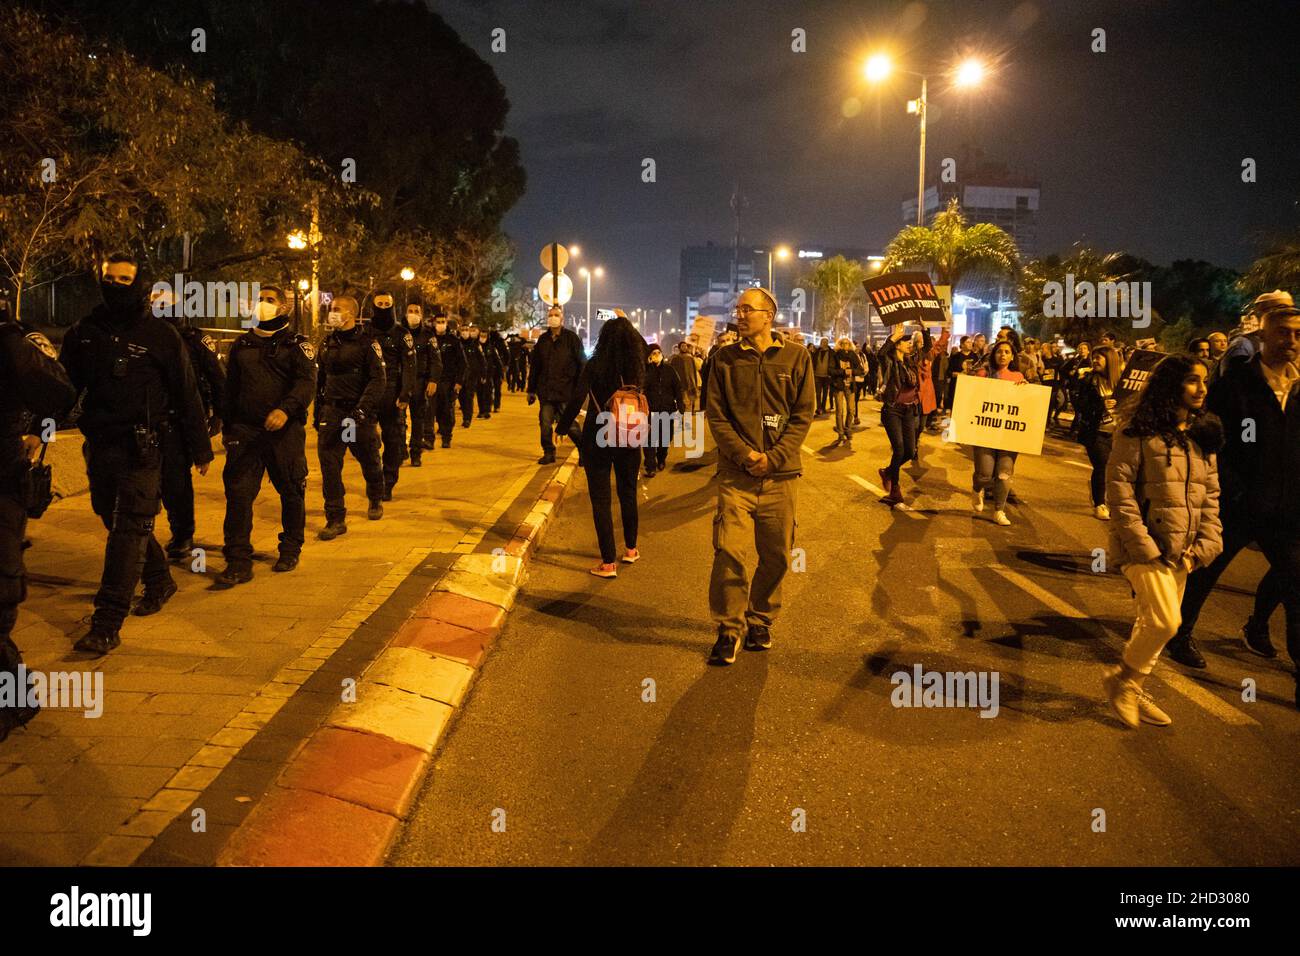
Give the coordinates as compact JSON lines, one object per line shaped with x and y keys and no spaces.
{"x":605,"y":570}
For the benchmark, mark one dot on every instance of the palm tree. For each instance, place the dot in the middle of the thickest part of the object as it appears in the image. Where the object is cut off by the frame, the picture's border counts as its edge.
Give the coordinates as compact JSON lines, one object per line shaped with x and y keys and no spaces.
{"x":952,"y":250}
{"x":838,"y":282}
{"x":1086,"y":265}
{"x":1278,"y":268}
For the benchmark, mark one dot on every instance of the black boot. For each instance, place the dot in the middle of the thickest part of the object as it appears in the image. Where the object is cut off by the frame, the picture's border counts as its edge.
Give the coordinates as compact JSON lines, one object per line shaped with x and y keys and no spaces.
{"x":178,"y":549}
{"x":333,"y":529}
{"x":99,"y":641}
{"x":151,"y":602}
{"x":1183,"y":649}
{"x":1257,"y":639}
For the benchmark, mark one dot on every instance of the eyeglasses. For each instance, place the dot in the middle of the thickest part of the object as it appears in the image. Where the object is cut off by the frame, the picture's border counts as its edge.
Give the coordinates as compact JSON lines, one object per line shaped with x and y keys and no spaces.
{"x":743,"y":311}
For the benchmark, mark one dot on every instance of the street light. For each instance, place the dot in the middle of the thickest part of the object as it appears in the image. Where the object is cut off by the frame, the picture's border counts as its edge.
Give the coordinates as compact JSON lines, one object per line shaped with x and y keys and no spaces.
{"x":969,"y":73}
{"x":586,"y":273}
{"x":296,"y":239}
{"x":782,"y":253}
{"x":407,"y":275}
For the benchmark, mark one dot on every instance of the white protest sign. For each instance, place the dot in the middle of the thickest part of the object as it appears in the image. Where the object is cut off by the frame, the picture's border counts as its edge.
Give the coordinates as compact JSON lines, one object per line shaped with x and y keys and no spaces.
{"x":991,"y":413}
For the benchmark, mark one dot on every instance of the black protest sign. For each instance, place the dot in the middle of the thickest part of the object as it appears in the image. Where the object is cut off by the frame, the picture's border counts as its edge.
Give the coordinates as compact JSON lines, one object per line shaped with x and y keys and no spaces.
{"x":906,"y":297}
{"x":1136,"y":373}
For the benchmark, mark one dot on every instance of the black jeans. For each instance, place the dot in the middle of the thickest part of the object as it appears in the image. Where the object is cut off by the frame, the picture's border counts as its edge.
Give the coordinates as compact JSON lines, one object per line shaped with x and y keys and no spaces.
{"x":1098,"y":449}
{"x":177,"y":484}
{"x":466,"y":401}
{"x":548,"y":413}
{"x":421,"y":413}
{"x":392,"y":433}
{"x":1282,"y":583}
{"x":126,"y":494}
{"x":445,"y":410}
{"x":823,"y":393}
{"x":331,"y":450}
{"x":625,"y":462}
{"x":900,"y":422}
{"x":282,"y":456}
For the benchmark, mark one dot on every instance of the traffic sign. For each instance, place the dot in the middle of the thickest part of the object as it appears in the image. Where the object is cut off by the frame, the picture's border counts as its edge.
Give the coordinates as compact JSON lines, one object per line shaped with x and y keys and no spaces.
{"x":545,"y":289}
{"x":554,"y":257}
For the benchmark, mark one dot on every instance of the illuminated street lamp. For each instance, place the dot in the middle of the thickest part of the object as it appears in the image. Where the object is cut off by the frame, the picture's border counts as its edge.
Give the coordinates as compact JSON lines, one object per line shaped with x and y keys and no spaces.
{"x":297,"y":239}
{"x":969,"y":73}
{"x":782,"y":253}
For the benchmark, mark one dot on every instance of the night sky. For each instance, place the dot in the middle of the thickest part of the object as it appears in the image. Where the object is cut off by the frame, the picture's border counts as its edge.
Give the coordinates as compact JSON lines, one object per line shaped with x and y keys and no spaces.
{"x":1137,"y":149}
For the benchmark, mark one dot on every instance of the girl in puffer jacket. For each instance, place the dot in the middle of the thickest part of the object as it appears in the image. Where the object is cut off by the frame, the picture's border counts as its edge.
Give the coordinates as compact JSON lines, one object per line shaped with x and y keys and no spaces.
{"x":1162,"y":487}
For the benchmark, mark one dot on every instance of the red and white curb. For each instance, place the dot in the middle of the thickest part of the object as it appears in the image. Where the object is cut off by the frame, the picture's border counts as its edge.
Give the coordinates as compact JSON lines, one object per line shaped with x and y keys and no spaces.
{"x":343,"y":795}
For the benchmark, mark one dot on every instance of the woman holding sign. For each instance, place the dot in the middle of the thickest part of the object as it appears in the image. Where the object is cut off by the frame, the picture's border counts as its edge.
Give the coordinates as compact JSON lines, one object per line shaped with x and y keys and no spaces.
{"x":1162,"y":485}
{"x":995,"y":468}
{"x":900,"y":410}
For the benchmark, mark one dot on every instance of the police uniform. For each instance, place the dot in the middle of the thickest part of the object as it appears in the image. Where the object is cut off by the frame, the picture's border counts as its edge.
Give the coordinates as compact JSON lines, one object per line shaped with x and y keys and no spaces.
{"x":37,"y":389}
{"x":350,"y":381}
{"x":428,"y":368}
{"x":134,"y":371}
{"x":399,"y":360}
{"x":475,"y":379}
{"x":177,"y":481}
{"x":452,"y":355}
{"x":500,"y":361}
{"x":266,"y":372}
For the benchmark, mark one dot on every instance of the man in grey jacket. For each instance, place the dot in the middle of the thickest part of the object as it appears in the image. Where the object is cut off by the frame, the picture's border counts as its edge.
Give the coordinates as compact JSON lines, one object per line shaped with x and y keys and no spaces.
{"x":760,"y":406}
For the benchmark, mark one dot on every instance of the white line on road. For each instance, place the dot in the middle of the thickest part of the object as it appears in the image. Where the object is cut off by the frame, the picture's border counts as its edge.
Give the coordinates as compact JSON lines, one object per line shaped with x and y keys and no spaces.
{"x":1077,"y":464}
{"x":1188,"y":688}
{"x":877,"y":490}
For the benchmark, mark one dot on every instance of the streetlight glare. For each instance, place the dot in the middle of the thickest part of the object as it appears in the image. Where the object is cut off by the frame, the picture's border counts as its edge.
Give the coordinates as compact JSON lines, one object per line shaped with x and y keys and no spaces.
{"x":408,"y":274}
{"x":582,"y":271}
{"x":969,"y":73}
{"x":600,"y":271}
{"x":297,"y":240}
{"x":574,"y":251}
{"x":877,"y":67}
{"x":783,"y":252}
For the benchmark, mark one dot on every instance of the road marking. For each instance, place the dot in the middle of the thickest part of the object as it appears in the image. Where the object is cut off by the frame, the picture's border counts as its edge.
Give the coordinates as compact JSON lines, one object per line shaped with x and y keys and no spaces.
{"x":1188,"y":688}
{"x":1077,"y":464}
{"x":880,"y":492}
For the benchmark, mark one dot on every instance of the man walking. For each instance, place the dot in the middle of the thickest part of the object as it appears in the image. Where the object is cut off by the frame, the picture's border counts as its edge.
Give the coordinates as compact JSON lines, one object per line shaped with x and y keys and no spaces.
{"x":1258,"y":401}
{"x":133,"y":370}
{"x":428,"y":369}
{"x":553,"y":371}
{"x":688,"y":374}
{"x":399,"y":369}
{"x":759,"y":409}
{"x":271,"y":379}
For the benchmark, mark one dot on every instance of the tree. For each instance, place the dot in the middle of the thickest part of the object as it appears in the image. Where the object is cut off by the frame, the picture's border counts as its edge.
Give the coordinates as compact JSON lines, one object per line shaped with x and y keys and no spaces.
{"x":838,"y":282}
{"x":1085,"y":265}
{"x":388,"y":85}
{"x":1277,"y":268}
{"x":102,"y":152}
{"x":952,"y":251}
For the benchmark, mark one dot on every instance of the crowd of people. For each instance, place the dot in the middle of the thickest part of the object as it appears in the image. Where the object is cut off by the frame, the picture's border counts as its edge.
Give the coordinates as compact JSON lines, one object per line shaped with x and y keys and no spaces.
{"x":1195,"y":469}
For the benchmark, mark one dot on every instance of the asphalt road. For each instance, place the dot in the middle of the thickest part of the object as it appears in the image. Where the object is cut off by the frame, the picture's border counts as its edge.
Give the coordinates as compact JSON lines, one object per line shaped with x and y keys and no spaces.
{"x":725,"y":764}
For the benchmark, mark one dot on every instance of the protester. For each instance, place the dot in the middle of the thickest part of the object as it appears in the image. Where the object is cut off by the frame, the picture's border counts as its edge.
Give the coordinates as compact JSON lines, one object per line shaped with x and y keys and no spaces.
{"x":846,"y":368}
{"x":1256,"y":399}
{"x":1095,"y":414}
{"x":1162,"y":486}
{"x":667,"y":400}
{"x":900,"y":409}
{"x":553,"y":370}
{"x":995,"y":467}
{"x":617,"y":363}
{"x":687,"y":370}
{"x":929,"y":353}
{"x":1200,"y":348}
{"x":760,"y":407}
{"x":821,"y":357}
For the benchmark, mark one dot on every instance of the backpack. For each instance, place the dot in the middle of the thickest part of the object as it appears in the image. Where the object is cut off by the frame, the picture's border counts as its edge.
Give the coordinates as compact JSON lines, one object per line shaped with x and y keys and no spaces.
{"x":630,"y":412}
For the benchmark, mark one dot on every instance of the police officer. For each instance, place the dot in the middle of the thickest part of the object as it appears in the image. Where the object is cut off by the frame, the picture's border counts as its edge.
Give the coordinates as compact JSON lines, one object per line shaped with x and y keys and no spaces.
{"x":350,"y":384}
{"x":475,"y":375}
{"x":133,"y":369}
{"x":428,"y":369}
{"x":516,"y":363}
{"x":177,"y":486}
{"x":489,"y":390}
{"x":495,"y":344}
{"x":37,"y":391}
{"x":399,"y":361}
{"x":271,"y":381}
{"x":453,"y":376}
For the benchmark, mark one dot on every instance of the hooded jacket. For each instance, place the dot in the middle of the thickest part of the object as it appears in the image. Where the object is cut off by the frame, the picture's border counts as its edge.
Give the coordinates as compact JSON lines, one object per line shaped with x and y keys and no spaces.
{"x":1164,"y":499}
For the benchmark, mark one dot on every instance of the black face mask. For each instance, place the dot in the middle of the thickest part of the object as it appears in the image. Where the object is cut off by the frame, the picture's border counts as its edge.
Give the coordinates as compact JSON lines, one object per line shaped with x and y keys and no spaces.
{"x":271,"y":326}
{"x":122,"y":300}
{"x":382,"y":319}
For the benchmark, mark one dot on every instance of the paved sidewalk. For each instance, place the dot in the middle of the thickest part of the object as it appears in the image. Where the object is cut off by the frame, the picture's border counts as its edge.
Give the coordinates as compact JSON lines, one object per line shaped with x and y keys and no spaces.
{"x":190,"y":687}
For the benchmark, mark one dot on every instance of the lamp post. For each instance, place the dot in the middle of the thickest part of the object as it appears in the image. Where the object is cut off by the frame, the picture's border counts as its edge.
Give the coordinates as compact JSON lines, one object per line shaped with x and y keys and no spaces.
{"x":969,"y":73}
{"x":407,"y":275}
{"x":782,"y":253}
{"x":586,"y":274}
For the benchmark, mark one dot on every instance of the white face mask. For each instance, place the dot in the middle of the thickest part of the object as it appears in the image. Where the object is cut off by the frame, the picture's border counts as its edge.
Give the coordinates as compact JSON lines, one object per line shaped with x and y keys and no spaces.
{"x":266,"y":311}
{"x":334,"y":320}
{"x":554,"y":322}
{"x":440,"y":327}
{"x":413,"y":319}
